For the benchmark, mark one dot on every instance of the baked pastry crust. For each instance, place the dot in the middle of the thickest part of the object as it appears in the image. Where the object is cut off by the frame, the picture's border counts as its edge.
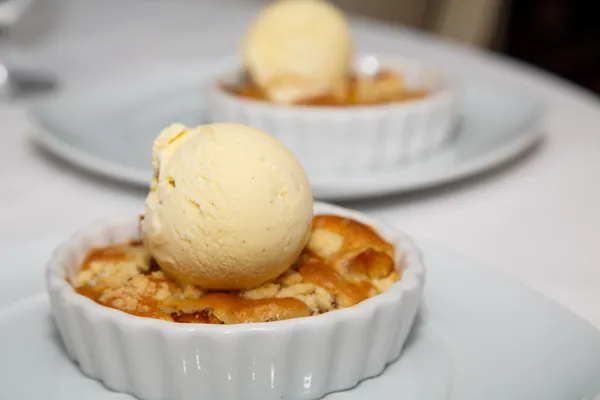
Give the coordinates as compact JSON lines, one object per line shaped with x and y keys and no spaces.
{"x":344,"y":263}
{"x":384,"y":87}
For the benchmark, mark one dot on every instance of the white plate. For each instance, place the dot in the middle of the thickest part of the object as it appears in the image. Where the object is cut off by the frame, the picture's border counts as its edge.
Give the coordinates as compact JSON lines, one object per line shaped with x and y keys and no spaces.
{"x":110,"y":130}
{"x":479,"y":336}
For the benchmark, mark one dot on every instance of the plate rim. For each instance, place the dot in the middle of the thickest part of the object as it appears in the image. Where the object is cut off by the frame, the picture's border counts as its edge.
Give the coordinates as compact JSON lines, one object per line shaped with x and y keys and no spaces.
{"x":326,"y":187}
{"x":87,"y":161}
{"x":532,"y":134}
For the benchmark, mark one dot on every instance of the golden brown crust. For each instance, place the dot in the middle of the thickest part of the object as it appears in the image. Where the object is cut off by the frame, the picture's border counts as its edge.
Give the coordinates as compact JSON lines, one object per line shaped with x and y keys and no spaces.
{"x":355,"y":234}
{"x":344,"y":263}
{"x":233,"y":309}
{"x":346,"y":293}
{"x":385,"y":87}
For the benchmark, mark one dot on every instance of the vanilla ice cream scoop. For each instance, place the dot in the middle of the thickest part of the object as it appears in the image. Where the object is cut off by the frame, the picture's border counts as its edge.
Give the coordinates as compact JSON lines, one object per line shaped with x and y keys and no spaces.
{"x":229,"y":208}
{"x":299,"y":49}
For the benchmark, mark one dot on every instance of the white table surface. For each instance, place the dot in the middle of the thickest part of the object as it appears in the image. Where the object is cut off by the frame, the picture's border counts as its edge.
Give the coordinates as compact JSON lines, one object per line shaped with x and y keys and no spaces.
{"x":537,"y":221}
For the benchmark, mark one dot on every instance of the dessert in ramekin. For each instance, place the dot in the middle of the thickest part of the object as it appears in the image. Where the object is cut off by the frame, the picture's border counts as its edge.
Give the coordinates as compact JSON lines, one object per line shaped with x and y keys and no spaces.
{"x":338,"y":112}
{"x":344,"y":263}
{"x":298,"y":358}
{"x":231,"y":285}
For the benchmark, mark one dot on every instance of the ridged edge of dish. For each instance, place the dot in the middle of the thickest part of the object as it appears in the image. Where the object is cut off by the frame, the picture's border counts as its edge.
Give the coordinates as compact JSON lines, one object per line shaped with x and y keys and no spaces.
{"x":351,"y":138}
{"x":300,"y":358}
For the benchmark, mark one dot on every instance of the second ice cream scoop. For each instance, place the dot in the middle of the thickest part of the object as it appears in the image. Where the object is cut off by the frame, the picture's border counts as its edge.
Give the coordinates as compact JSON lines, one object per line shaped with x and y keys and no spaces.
{"x":299,"y":49}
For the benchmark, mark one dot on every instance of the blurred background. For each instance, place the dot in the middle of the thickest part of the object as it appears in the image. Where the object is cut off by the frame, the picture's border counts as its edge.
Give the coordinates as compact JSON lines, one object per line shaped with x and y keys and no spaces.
{"x":560,"y":36}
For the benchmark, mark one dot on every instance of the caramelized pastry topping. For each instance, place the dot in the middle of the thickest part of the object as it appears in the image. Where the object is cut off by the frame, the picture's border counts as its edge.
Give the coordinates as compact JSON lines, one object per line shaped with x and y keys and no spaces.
{"x":344,"y":263}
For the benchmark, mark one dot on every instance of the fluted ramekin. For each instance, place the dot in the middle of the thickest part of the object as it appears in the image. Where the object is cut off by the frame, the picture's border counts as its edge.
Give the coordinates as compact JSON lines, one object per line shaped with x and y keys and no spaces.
{"x":346,"y":139}
{"x":301,"y":358}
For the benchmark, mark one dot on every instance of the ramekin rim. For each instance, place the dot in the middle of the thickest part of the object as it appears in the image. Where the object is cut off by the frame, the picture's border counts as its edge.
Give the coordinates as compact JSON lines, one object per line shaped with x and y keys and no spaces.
{"x":444,"y":93}
{"x":413,"y":276}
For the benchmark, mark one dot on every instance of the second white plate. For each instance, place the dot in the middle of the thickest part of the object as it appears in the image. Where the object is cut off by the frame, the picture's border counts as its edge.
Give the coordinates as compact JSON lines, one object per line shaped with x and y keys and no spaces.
{"x":109,"y":131}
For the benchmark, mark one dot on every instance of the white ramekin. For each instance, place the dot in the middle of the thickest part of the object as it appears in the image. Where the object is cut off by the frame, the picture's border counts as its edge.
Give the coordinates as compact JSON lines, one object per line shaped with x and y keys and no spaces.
{"x":338,"y":139}
{"x":301,"y":358}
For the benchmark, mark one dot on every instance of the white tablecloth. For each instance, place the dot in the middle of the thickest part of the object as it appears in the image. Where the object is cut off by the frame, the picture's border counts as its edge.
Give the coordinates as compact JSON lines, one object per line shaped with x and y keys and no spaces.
{"x":537,"y":221}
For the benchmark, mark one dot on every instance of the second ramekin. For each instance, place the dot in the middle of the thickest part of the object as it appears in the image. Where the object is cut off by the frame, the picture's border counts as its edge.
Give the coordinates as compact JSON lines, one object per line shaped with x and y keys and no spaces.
{"x":303,"y":358}
{"x":338,"y":139}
